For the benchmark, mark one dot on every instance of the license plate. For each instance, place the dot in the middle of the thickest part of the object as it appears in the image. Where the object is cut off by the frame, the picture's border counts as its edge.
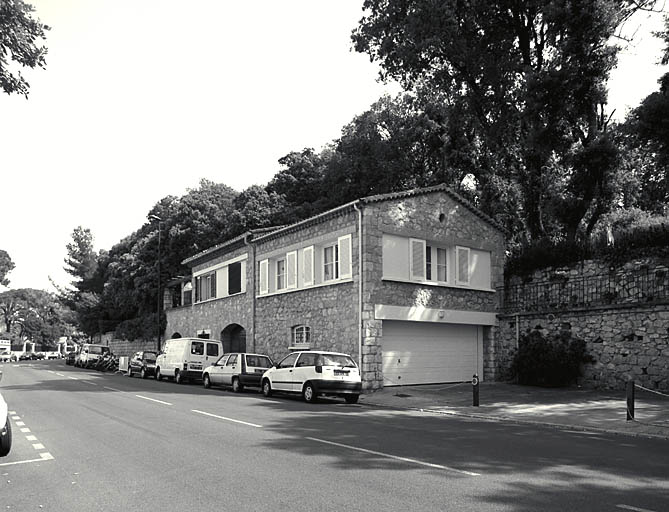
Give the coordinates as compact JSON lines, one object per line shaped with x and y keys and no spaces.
{"x":341,"y":372}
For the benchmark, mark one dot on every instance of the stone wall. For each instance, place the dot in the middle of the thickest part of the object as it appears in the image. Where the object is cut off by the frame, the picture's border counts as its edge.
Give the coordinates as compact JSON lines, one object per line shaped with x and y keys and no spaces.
{"x":124,"y":347}
{"x":627,"y":340}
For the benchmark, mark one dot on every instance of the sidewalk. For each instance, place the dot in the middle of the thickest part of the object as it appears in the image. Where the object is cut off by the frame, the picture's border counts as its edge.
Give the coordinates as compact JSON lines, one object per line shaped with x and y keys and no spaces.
{"x":574,"y":408}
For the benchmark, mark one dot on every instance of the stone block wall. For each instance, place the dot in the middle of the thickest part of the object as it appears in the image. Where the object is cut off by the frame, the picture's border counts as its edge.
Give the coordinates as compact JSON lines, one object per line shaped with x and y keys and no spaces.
{"x":626,"y":340}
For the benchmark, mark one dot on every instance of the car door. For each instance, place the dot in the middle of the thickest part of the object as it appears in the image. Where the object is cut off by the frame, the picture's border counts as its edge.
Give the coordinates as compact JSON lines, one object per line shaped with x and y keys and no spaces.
{"x":305,"y":369}
{"x":211,"y":354}
{"x":216,"y":370}
{"x":282,"y":376}
{"x":230,"y":369}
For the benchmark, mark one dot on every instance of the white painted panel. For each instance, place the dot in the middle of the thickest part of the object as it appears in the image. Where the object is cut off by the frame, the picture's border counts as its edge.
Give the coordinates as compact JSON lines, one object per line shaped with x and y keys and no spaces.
{"x":479,"y":269}
{"x":395,"y":257}
{"x":222,"y":282}
{"x":424,"y":353}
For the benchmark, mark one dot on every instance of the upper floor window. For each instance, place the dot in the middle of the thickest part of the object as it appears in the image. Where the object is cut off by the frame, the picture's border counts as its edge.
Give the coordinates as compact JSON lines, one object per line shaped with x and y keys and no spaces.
{"x":280,"y":274}
{"x":435,"y":264}
{"x":235,"y":278}
{"x":330,"y":263}
{"x":205,"y":287}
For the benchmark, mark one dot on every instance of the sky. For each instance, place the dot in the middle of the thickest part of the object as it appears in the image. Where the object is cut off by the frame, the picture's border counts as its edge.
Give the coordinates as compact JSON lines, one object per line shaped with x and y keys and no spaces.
{"x":142,"y":99}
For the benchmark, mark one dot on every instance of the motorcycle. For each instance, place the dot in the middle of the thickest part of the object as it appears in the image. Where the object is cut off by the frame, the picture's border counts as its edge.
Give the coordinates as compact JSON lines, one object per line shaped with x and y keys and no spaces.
{"x":5,"y":427}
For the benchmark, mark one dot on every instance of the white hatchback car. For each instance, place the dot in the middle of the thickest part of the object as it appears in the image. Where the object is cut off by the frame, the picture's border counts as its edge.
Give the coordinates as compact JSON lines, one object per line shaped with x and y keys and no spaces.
{"x":312,"y":373}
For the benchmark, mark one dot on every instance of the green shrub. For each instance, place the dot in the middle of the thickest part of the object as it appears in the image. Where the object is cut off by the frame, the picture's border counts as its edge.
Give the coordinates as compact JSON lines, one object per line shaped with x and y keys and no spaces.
{"x":552,"y":361}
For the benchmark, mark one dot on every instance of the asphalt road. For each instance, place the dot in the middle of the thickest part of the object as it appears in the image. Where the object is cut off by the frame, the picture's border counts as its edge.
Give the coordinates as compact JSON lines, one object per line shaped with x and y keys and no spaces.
{"x":94,"y":441}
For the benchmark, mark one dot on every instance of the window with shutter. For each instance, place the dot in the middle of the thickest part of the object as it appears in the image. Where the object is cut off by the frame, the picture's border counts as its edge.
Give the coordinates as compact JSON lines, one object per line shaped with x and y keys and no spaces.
{"x":308,"y":266}
{"x":264,"y":276}
{"x":291,"y":269}
{"x":234,"y":278}
{"x":417,"y":259}
{"x":344,"y":243}
{"x":462,"y":265}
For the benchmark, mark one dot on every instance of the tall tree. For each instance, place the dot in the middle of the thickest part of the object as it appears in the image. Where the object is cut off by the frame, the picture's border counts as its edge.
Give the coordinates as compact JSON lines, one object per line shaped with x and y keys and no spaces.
{"x":530,"y":74}
{"x":20,"y":34}
{"x":6,"y":266}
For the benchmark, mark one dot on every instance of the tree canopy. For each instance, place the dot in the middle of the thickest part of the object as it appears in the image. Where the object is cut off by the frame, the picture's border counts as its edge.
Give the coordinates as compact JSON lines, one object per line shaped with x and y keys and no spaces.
{"x":20,"y":36}
{"x":6,"y":266}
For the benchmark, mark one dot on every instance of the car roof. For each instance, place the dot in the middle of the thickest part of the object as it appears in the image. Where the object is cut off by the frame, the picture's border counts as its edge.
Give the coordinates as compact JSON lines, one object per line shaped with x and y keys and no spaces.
{"x":321,"y":352}
{"x":245,"y":354}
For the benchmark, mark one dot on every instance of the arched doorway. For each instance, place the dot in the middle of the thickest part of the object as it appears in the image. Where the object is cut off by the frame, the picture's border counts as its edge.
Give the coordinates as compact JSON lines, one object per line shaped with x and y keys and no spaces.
{"x":234,"y":338}
{"x":176,"y":335}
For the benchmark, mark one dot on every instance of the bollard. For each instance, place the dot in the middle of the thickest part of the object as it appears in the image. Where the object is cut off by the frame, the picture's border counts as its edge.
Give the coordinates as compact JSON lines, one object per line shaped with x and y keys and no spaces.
{"x":630,"y":400}
{"x":475,"y":389}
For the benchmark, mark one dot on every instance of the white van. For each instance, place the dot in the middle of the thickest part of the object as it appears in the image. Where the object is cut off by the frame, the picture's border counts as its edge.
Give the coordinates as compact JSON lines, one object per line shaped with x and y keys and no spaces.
{"x":185,"y":358}
{"x":90,"y":353}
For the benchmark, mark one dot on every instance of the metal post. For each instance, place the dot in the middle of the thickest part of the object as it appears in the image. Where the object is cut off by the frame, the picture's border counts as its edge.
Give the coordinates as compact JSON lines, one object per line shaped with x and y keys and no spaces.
{"x":160,"y":297}
{"x":630,"y":400}
{"x":475,"y":389}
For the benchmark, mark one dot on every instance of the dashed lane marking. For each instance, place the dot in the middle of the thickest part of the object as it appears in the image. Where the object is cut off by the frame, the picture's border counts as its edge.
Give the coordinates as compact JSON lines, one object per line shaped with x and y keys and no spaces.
{"x":153,"y":399}
{"x":38,"y":446}
{"x":395,"y":457}
{"x":31,"y":438}
{"x":25,"y":430}
{"x":88,"y":382}
{"x":60,"y":374}
{"x":73,"y":378}
{"x":20,"y":424}
{"x":227,"y":419}
{"x":112,"y":389}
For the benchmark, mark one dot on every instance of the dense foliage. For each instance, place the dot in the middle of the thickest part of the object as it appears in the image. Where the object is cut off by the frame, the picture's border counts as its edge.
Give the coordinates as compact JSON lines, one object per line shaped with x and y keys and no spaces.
{"x":6,"y":266}
{"x":19,"y":37}
{"x":550,"y":361}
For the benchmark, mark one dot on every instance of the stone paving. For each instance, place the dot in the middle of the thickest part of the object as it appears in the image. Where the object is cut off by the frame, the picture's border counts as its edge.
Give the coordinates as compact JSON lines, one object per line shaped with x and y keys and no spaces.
{"x":573,"y":408}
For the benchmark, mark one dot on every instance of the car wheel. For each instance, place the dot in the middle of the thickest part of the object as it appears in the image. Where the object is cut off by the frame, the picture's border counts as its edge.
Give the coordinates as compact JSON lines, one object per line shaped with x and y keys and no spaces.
{"x":351,"y":399}
{"x":266,"y":388}
{"x":205,"y":381}
{"x":236,"y":385}
{"x":309,"y":393}
{"x":6,"y":439}
{"x":129,"y":373}
{"x":143,"y":373}
{"x":178,"y":378}
{"x":158,"y":376}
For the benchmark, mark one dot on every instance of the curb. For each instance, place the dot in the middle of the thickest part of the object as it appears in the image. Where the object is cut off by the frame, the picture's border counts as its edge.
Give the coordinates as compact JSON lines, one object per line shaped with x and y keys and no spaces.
{"x":517,"y":421}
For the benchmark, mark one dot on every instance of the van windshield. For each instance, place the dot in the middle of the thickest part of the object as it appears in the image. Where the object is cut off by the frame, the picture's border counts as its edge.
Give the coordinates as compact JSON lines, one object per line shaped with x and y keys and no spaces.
{"x":95,"y":349}
{"x":150,"y":357}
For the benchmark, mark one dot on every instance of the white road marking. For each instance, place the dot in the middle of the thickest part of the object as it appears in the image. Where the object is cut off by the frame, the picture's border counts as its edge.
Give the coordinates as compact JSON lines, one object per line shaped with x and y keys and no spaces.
{"x":43,"y":456}
{"x":73,"y":378}
{"x":112,"y":389}
{"x":153,"y":399}
{"x":11,"y":412}
{"x":20,"y":424}
{"x":51,"y":371}
{"x":88,"y":382}
{"x":636,"y":509}
{"x":25,"y":430}
{"x":227,"y":419}
{"x":31,"y":438}
{"x":60,"y":374}
{"x":38,"y":446}
{"x":16,"y":417}
{"x":395,"y":457}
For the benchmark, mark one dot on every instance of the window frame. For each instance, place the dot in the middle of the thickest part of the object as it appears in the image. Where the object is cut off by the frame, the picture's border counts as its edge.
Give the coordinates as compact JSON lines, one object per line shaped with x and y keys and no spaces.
{"x":305,"y":332}
{"x":467,"y":251}
{"x":334,"y":263}
{"x":283,"y":276}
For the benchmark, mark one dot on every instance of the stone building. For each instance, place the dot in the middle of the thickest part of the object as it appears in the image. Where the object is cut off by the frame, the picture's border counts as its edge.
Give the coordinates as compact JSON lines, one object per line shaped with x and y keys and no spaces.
{"x":404,"y":282}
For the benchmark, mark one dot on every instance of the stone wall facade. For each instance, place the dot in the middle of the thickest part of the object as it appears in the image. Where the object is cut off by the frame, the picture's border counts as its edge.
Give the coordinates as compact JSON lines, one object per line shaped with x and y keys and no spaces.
{"x":431,"y":217}
{"x":627,"y":340}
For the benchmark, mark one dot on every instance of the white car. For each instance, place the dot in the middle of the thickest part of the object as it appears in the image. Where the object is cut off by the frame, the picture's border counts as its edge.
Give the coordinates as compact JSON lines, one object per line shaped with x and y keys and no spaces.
{"x":237,"y":370}
{"x":312,"y":373}
{"x":5,"y":427}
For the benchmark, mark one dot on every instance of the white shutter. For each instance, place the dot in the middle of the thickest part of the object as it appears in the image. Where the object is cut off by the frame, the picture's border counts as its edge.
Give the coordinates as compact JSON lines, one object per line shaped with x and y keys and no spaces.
{"x":417,"y":259}
{"x":344,"y":257}
{"x":264,"y":276}
{"x":243,"y":276}
{"x":291,"y":269}
{"x":308,"y":266}
{"x":462,"y":265}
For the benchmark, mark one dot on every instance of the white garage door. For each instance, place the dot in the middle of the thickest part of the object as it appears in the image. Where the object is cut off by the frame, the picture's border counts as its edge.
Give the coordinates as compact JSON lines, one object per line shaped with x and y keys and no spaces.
{"x":426,"y":353}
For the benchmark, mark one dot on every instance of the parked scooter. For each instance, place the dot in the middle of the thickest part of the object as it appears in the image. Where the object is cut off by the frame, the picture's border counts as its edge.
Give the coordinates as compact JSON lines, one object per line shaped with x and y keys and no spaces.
{"x":5,"y":427}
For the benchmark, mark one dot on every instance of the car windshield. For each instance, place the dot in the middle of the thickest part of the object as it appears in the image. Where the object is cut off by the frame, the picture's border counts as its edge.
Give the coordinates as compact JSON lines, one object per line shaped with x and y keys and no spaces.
{"x":337,"y":360}
{"x":93,"y":349}
{"x":150,"y":357}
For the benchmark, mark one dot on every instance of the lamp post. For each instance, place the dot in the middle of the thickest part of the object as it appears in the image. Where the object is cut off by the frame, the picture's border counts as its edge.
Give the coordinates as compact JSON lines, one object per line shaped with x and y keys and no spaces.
{"x":155,"y":217}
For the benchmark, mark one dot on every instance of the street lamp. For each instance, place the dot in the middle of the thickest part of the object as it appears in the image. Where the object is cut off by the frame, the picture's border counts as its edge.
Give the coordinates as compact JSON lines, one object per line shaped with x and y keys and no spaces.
{"x":155,"y":217}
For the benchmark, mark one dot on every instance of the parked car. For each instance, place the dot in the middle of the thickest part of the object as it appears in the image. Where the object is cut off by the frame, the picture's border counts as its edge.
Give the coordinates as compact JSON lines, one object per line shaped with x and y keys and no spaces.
{"x":70,"y":358}
{"x":185,"y":358}
{"x":237,"y":370}
{"x":313,"y":373}
{"x":24,"y":357}
{"x":89,"y":355}
{"x":6,"y":357}
{"x":5,"y":427}
{"x":142,"y":362}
